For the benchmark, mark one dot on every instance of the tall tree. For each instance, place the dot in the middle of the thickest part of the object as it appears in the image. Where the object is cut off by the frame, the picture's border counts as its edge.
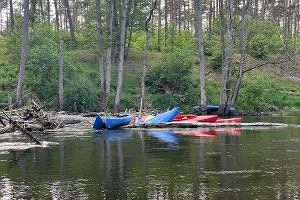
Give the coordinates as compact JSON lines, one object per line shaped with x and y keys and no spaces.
{"x":121,"y":54}
{"x":100,"y":54}
{"x":166,"y":22}
{"x":146,"y":29}
{"x":244,"y":37}
{"x":210,"y":14}
{"x":48,"y":11}
{"x":56,"y":15}
{"x":296,"y":19}
{"x":226,"y":68}
{"x":69,"y":17}
{"x":159,"y":27}
{"x":24,"y":53}
{"x":61,"y":73}
{"x":109,"y":46}
{"x":203,"y":103}
{"x":11,"y":11}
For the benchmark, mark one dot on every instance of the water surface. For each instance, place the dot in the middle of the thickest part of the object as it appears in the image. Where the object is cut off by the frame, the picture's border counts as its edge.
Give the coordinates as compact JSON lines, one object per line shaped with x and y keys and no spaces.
{"x":153,"y":164}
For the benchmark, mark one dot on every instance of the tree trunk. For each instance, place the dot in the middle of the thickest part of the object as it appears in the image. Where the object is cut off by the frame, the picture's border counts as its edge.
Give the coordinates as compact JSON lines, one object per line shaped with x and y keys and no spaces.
{"x":226,"y":69}
{"x":109,"y":47}
{"x":12,"y":19}
{"x":100,"y":54}
{"x":179,"y":15}
{"x":173,"y":23}
{"x":210,"y":19}
{"x":70,"y":23}
{"x":159,"y":27}
{"x":48,"y":11}
{"x":295,"y":31}
{"x":244,"y":37}
{"x":121,"y":55}
{"x":42,"y":10}
{"x":196,"y":18}
{"x":203,"y":104}
{"x":61,"y":73}
{"x":56,"y":15}
{"x":146,"y":28}
{"x":24,"y":54}
{"x":166,"y":23}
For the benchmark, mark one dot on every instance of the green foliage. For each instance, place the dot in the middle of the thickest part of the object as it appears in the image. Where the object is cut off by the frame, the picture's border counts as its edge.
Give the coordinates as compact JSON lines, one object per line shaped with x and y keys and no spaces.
{"x":183,"y":41}
{"x":264,"y":93}
{"x":260,"y":46}
{"x":263,"y":39}
{"x":81,"y":95}
{"x":171,"y":77}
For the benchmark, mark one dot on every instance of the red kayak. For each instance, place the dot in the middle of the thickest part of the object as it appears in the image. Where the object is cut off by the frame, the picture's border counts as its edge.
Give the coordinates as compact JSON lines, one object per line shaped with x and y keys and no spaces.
{"x":184,"y":117}
{"x":229,"y":120}
{"x":195,"y":118}
{"x":203,"y":118}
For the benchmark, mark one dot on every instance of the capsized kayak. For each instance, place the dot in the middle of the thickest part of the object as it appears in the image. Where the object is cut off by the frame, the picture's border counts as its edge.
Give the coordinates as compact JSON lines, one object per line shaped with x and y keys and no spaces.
{"x":164,"y":117}
{"x":116,"y":122}
{"x":229,"y":120}
{"x":112,"y":122}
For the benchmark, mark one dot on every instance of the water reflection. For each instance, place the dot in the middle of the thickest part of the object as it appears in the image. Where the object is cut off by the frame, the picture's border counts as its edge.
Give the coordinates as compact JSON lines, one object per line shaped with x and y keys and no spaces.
{"x":124,"y":164}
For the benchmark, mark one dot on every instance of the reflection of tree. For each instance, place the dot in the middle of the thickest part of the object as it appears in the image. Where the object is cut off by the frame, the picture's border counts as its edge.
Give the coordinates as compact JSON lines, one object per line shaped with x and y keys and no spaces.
{"x":224,"y":166}
{"x":61,"y":161}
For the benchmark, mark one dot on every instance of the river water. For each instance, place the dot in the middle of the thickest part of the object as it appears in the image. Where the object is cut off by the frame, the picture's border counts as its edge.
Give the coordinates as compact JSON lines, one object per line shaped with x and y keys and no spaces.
{"x":153,"y":164}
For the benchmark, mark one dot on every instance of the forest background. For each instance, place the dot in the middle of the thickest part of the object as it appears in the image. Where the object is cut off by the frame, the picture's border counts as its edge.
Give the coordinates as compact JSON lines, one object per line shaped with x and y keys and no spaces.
{"x":92,"y":55}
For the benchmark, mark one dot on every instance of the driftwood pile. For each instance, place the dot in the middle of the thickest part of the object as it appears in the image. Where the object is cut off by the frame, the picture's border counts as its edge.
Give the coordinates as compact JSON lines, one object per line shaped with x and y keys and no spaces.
{"x":32,"y":119}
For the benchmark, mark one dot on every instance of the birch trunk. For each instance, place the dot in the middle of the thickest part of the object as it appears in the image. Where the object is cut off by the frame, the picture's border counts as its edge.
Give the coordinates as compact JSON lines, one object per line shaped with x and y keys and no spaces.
{"x":24,"y":53}
{"x":244,"y":37}
{"x":109,"y":47}
{"x":121,"y":55}
{"x":61,"y":73}
{"x":100,"y":54}
{"x":203,"y":104}
{"x":145,"y":67}
{"x":225,"y":77}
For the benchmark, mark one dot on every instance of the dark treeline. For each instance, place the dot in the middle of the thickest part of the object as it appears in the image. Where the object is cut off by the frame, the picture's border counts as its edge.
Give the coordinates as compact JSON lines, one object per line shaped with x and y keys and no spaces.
{"x":220,"y":34}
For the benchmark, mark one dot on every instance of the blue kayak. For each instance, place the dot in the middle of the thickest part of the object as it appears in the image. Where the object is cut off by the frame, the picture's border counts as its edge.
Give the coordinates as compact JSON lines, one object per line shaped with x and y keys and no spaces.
{"x":164,"y":117}
{"x":211,"y":109}
{"x":112,"y":122}
{"x":98,"y":124}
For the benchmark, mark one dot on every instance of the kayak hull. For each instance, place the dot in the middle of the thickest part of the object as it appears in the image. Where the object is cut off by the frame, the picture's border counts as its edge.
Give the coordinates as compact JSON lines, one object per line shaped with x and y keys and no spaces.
{"x":116,"y":122}
{"x":183,"y":117}
{"x":229,"y":120}
{"x":164,"y":117}
{"x":111,"y":122}
{"x":205,"y":118}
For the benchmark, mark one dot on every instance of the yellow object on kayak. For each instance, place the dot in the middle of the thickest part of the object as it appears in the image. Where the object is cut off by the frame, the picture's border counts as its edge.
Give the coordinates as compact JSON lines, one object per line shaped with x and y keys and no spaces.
{"x":149,"y":117}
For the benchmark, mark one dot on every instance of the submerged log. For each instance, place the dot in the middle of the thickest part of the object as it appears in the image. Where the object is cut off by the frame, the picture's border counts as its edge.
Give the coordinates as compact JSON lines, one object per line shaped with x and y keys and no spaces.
{"x":212,"y":125}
